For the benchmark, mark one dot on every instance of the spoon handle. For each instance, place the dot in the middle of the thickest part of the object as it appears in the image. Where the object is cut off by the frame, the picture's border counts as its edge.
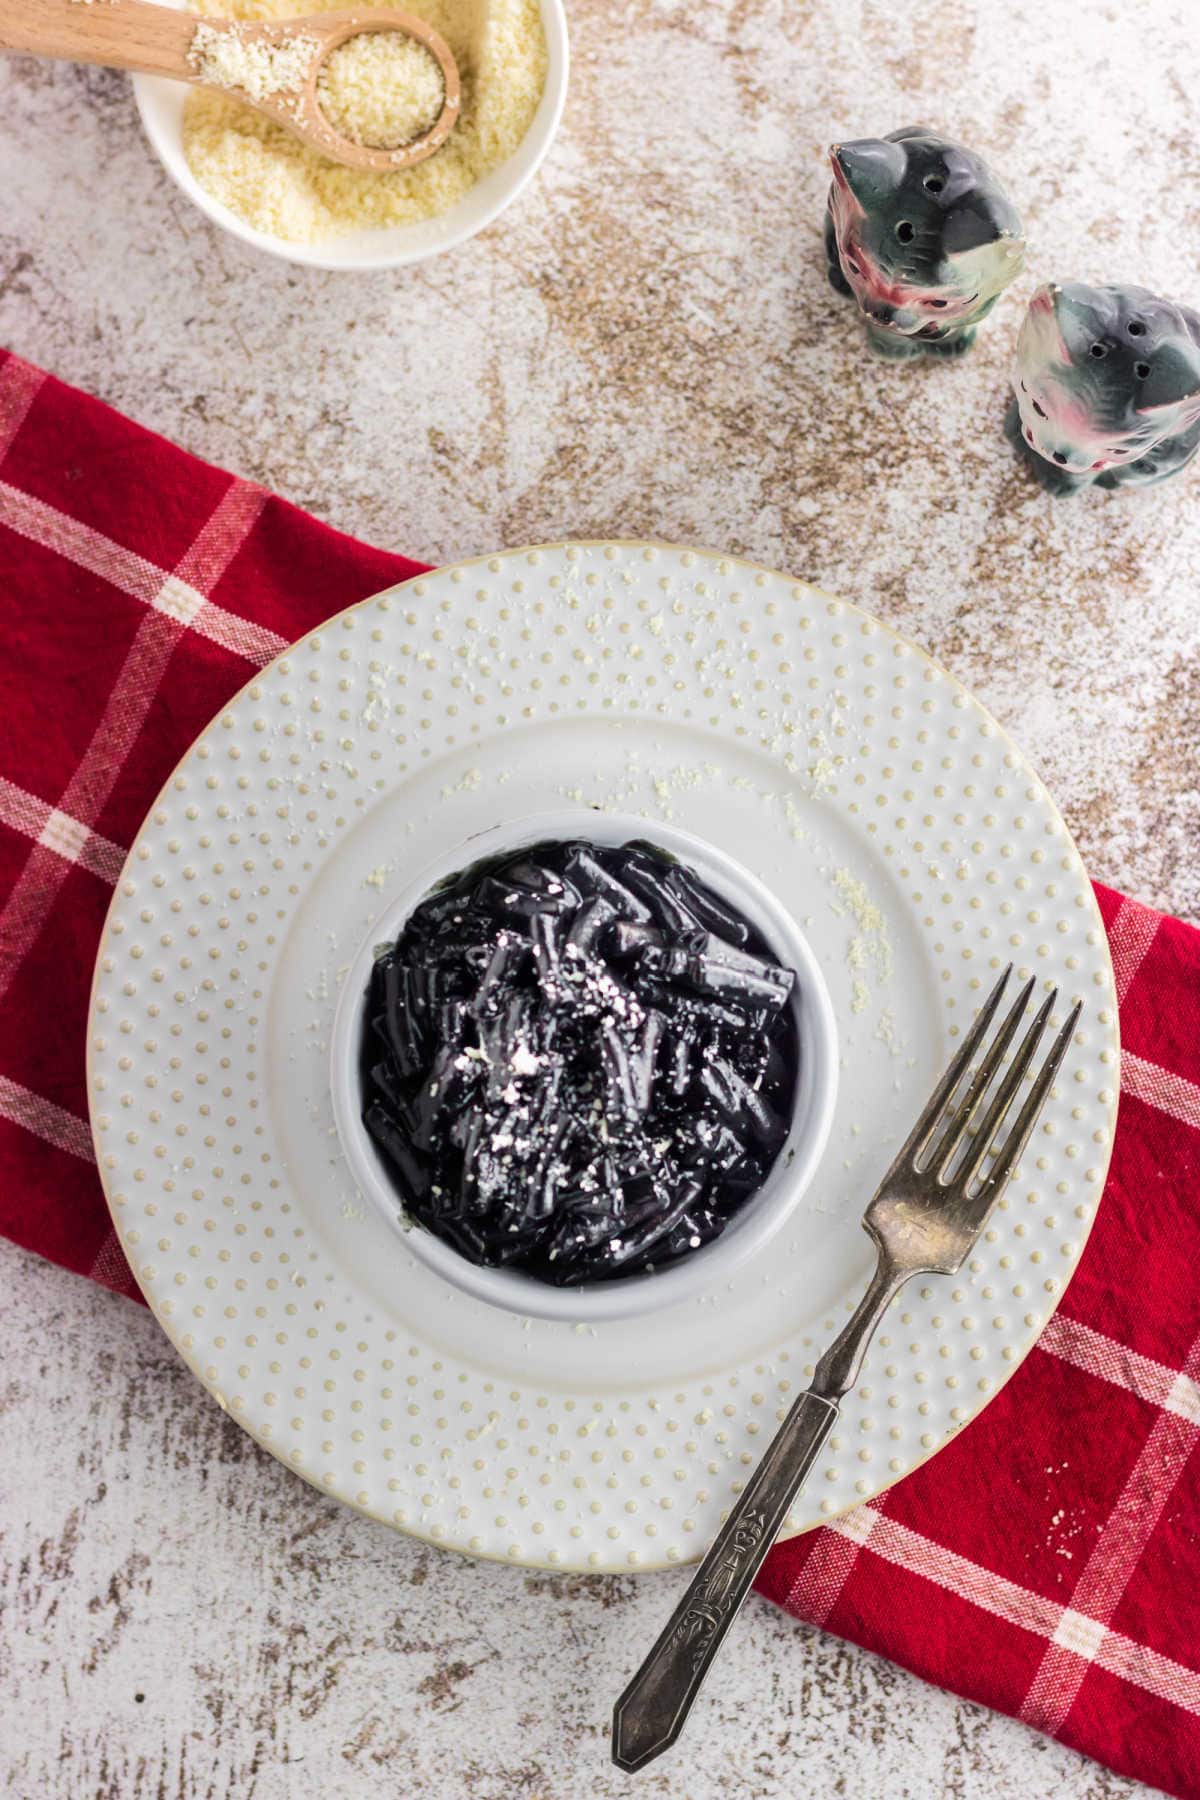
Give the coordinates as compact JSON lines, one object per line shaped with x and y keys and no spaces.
{"x":118,"y":34}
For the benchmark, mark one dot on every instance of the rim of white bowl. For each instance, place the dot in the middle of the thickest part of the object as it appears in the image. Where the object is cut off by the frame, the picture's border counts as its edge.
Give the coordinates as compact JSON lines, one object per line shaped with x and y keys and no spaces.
{"x":160,"y":106}
{"x":761,"y":1216}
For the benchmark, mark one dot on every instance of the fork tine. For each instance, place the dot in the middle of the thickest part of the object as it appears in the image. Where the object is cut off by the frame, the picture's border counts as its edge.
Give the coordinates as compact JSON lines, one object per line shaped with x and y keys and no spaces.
{"x":980,"y":1080}
{"x":1013,"y":1076}
{"x":929,"y":1119}
{"x":1026,"y":1119}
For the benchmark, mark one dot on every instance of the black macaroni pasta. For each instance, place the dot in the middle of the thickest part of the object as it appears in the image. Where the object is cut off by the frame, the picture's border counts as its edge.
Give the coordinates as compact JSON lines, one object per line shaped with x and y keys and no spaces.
{"x":578,"y":1061}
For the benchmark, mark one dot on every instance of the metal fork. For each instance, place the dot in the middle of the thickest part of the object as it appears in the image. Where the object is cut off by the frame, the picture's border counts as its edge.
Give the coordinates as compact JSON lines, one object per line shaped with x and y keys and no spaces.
{"x":925,"y":1218}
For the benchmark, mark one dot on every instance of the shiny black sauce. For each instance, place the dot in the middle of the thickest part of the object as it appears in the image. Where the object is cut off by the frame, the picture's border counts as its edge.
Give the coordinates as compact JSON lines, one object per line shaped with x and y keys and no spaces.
{"x":578,"y":1061}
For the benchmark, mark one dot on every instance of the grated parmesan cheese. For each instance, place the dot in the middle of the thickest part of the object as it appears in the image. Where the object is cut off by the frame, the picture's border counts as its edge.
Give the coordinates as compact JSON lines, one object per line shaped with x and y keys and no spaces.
{"x":225,"y":59}
{"x":287,"y":190}
{"x":381,"y":88}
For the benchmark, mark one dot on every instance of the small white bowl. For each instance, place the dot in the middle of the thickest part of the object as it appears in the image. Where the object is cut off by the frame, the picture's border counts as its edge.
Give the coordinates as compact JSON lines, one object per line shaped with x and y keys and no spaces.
{"x":160,"y":103}
{"x":750,"y":1228}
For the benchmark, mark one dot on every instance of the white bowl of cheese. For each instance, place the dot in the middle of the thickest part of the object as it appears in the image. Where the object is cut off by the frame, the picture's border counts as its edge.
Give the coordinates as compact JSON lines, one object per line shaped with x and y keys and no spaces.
{"x":308,"y":212}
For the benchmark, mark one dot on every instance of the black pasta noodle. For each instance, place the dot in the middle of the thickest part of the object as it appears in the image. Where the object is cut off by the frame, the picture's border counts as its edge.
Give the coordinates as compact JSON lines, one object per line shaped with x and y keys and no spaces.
{"x":578,"y":1061}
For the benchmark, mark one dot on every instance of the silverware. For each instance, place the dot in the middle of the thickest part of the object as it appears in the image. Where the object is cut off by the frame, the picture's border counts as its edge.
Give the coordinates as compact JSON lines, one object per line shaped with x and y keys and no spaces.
{"x":925,"y":1218}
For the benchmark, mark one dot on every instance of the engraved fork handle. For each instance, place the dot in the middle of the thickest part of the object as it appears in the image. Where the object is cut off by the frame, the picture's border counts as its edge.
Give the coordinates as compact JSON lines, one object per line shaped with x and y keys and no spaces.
{"x":653,"y":1710}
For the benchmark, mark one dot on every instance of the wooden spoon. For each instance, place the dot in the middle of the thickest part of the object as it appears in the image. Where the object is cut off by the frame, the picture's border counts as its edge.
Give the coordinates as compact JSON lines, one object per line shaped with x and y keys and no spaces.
{"x":158,"y":40}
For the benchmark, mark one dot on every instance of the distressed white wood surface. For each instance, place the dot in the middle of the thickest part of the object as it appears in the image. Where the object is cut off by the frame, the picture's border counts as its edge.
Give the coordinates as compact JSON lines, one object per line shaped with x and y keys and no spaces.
{"x":652,"y":352}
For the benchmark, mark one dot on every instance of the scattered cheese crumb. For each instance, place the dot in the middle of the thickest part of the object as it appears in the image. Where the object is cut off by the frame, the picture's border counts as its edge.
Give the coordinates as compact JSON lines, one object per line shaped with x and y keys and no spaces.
{"x":467,"y":785}
{"x":869,"y":944}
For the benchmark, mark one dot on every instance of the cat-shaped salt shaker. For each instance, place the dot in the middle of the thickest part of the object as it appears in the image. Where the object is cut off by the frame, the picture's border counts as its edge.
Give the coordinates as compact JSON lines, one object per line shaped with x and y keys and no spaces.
{"x":1106,"y":387}
{"x":922,"y":236}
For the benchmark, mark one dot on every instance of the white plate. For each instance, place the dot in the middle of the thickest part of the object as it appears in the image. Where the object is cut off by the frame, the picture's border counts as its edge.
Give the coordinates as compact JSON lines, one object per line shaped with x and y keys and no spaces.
{"x":885,"y":809}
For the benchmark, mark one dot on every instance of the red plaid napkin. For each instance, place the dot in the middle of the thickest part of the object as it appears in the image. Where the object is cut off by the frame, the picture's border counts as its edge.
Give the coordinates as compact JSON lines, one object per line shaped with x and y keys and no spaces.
{"x":1047,"y":1562}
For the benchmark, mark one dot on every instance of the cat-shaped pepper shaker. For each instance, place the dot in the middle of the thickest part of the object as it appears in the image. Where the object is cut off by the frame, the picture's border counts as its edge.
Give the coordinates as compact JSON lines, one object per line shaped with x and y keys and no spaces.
{"x":1106,"y":387}
{"x":920,"y":233}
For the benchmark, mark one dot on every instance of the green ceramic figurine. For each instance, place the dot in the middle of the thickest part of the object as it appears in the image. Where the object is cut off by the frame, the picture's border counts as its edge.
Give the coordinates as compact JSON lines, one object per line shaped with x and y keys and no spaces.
{"x":920,"y":233}
{"x":1106,"y":387}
